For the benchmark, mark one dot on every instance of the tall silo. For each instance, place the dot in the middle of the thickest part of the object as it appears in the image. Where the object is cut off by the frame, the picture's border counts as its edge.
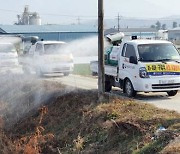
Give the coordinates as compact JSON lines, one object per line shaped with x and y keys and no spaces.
{"x":34,"y":19}
{"x":25,"y":16}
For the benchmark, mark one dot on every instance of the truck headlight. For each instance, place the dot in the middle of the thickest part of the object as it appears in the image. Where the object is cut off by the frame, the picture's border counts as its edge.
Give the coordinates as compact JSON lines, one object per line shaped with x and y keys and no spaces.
{"x":143,"y":73}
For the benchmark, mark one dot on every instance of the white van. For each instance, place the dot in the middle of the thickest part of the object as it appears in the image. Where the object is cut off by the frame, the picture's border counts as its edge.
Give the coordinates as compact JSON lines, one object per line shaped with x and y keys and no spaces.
{"x":49,"y":57}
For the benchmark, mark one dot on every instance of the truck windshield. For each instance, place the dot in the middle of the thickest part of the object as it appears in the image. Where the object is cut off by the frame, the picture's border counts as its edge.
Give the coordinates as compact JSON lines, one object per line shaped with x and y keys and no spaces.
{"x":158,"y":52}
{"x":53,"y":48}
{"x":7,"y":48}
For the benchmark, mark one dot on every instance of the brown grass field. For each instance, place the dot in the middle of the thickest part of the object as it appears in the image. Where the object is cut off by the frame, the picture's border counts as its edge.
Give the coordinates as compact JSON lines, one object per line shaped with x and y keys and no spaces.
{"x":66,"y":120}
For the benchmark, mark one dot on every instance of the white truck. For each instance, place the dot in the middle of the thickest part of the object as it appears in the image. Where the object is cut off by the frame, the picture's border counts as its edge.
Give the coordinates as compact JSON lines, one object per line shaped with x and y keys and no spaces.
{"x":142,"y":66}
{"x":8,"y":55}
{"x":10,"y":47}
{"x":47,"y":57}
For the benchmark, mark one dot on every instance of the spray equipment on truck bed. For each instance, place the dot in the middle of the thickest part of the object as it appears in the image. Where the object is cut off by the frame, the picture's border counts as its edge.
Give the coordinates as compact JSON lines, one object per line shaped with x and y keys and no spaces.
{"x":115,"y":38}
{"x":111,"y":54}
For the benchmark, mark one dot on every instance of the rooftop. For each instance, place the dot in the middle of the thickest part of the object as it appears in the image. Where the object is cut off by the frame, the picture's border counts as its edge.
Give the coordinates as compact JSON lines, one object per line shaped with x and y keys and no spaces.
{"x":50,"y":42}
{"x":146,"y":41}
{"x":175,"y":29}
{"x":46,"y":28}
{"x":130,"y":30}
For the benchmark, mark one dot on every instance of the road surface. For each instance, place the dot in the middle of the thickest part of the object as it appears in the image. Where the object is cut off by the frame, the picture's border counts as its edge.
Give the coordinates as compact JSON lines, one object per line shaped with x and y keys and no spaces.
{"x":160,"y":100}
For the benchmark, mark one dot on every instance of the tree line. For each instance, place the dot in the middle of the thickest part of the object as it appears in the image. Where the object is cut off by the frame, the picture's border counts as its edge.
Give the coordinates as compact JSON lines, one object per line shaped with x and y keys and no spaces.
{"x":159,"y":26}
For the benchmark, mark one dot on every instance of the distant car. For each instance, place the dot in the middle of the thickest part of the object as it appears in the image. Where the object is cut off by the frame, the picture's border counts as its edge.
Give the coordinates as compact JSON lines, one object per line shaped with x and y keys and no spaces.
{"x":49,"y":57}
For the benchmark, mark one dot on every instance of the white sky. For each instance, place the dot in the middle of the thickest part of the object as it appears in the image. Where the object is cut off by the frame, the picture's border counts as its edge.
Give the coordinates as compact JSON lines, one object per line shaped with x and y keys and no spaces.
{"x":68,"y":11}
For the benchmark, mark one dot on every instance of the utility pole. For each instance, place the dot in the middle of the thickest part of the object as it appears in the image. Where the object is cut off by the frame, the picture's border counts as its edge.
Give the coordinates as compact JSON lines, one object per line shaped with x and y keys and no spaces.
{"x":118,"y":22}
{"x":101,"y":78}
{"x":78,"y":19}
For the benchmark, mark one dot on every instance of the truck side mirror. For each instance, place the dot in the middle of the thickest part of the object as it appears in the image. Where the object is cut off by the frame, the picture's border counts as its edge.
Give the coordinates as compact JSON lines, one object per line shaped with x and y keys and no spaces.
{"x":133,"y":60}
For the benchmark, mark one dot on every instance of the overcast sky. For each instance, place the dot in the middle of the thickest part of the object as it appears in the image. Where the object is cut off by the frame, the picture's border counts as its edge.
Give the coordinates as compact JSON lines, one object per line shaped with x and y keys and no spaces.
{"x":68,"y":11}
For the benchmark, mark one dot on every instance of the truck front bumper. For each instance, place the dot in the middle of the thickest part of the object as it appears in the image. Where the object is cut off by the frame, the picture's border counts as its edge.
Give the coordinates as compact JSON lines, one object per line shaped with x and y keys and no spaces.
{"x":57,"y":68}
{"x":155,"y":85}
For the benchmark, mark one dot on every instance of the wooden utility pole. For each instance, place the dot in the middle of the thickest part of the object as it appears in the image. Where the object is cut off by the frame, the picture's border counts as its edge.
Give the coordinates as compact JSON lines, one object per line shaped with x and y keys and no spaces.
{"x":101,"y":78}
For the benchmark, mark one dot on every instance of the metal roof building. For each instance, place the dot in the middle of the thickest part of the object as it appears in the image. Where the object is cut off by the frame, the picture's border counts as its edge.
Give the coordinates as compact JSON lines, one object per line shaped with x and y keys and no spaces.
{"x":2,"y":31}
{"x":174,"y":34}
{"x":51,"y":32}
{"x":140,"y":32}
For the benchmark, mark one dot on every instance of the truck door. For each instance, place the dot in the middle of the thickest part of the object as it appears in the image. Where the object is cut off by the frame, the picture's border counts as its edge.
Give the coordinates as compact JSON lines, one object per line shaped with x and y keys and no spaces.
{"x":128,"y":67}
{"x":38,"y":54}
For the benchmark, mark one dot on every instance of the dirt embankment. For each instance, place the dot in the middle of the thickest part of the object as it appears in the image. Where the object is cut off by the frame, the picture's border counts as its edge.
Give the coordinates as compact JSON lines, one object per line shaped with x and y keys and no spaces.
{"x":75,"y":122}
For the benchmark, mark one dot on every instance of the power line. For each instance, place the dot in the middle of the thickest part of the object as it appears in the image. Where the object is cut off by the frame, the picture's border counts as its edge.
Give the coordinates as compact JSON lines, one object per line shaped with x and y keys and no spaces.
{"x":9,"y":11}
{"x":65,"y":15}
{"x":60,"y":15}
{"x":48,"y":14}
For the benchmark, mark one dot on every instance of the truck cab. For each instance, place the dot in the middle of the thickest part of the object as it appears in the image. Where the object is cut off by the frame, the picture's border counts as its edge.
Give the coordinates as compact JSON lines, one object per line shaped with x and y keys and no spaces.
{"x":149,"y":65}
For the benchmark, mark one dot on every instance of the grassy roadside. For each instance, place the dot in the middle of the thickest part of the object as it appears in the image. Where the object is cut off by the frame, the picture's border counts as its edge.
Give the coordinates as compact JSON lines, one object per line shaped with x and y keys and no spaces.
{"x":77,"y":123}
{"x":82,"y":69}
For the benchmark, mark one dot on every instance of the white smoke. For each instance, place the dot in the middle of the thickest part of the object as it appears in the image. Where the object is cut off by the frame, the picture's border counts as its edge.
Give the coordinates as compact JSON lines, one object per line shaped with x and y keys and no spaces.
{"x":84,"y":47}
{"x":22,"y":91}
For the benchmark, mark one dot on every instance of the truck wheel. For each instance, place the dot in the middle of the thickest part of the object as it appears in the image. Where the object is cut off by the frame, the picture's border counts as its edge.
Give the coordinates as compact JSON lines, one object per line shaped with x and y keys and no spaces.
{"x":66,"y":74}
{"x":94,"y":74}
{"x":172,"y":92}
{"x":108,"y":86}
{"x":128,"y":88}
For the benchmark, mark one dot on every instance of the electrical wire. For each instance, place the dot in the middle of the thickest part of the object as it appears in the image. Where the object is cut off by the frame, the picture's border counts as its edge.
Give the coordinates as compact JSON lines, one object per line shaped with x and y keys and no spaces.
{"x":59,"y":15}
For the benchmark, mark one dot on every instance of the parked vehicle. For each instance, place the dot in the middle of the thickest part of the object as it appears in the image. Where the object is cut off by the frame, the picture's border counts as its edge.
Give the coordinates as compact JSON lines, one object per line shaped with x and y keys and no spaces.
{"x":8,"y":55}
{"x":48,"y":57}
{"x":142,"y":66}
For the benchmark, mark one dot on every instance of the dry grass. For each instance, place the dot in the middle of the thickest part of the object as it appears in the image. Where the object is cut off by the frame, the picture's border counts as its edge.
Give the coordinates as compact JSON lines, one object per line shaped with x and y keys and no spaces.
{"x":32,"y":144}
{"x":173,"y":147}
{"x":76,"y":122}
{"x":81,"y":124}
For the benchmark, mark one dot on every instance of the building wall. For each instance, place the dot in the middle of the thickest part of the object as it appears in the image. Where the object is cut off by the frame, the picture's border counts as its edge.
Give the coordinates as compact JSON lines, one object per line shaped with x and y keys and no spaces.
{"x":174,"y":35}
{"x":61,"y":36}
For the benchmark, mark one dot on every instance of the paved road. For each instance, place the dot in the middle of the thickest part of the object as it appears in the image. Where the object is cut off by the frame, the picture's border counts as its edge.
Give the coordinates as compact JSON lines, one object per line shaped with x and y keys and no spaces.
{"x":160,"y":100}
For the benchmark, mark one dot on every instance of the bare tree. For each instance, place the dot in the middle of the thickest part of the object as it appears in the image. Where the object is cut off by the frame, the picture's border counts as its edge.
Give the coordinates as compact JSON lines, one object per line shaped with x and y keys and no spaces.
{"x":158,"y":25}
{"x":174,"y":24}
{"x":164,"y":27}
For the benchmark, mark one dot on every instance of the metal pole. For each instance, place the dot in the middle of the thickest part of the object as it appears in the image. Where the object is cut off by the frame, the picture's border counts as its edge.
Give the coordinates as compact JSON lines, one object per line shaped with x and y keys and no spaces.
{"x":101,"y":79}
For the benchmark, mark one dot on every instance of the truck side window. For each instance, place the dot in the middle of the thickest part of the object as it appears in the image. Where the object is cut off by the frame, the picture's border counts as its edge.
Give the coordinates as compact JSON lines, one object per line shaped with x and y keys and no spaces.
{"x":123,"y":50}
{"x":130,"y":51}
{"x":39,"y":48}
